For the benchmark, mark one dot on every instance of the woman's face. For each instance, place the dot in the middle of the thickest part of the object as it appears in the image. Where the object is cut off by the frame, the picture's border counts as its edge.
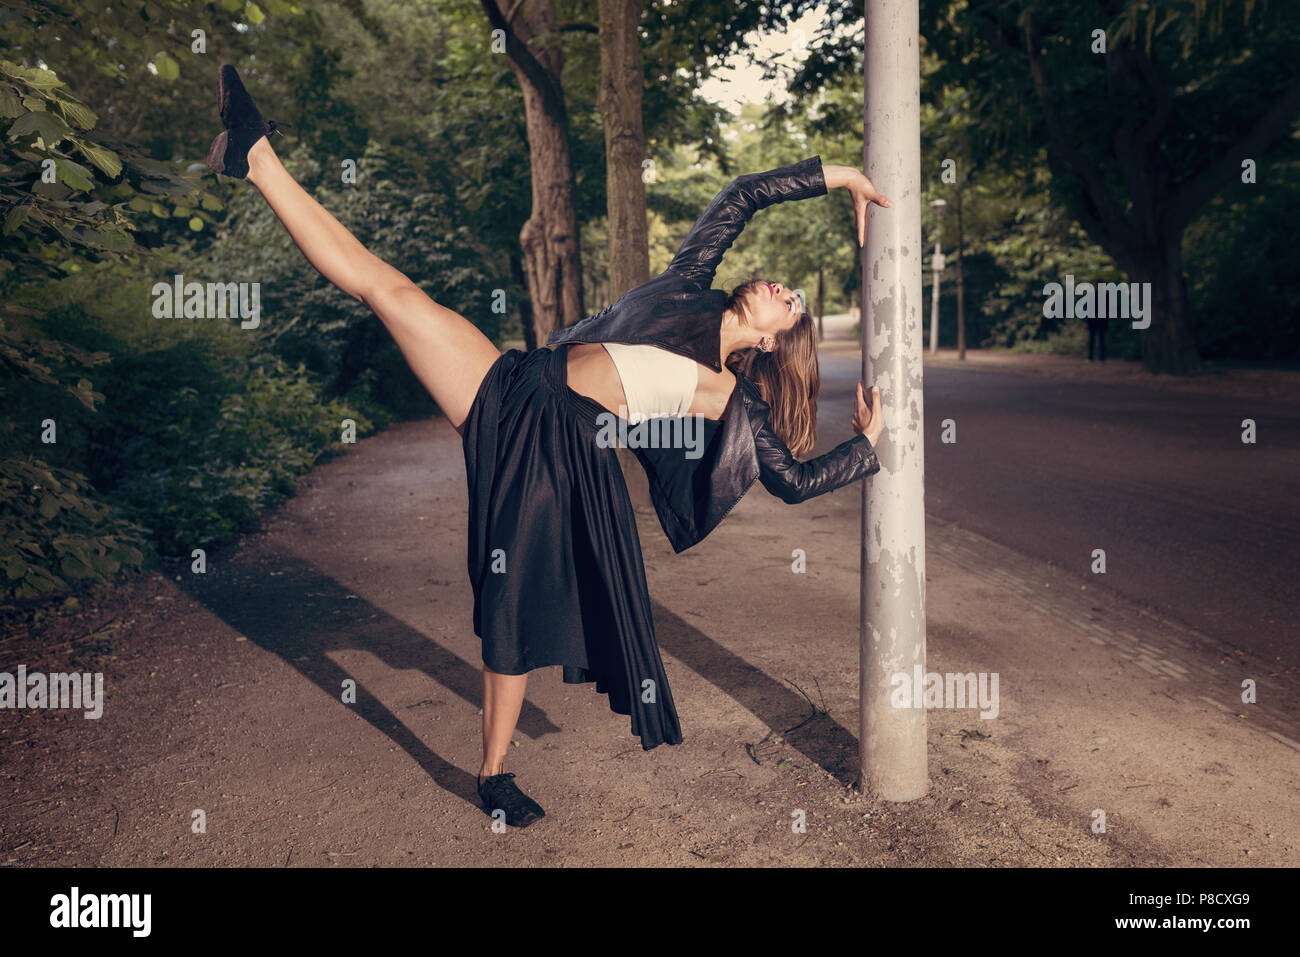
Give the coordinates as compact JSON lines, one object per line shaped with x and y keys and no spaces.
{"x":773,"y":308}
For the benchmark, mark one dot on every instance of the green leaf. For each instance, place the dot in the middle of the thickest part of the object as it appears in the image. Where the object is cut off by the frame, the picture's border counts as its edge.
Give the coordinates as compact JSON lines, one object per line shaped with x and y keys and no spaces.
{"x":54,"y":191}
{"x":47,"y":126}
{"x":166,"y":187}
{"x":74,"y":567}
{"x":141,"y":204}
{"x":232,"y":5}
{"x":15,"y":568}
{"x":168,"y":69}
{"x":9,"y":105}
{"x":102,"y":157}
{"x":128,"y":555}
{"x":49,"y":506}
{"x":73,"y":174}
{"x":148,"y":168}
{"x":17,"y":216}
{"x":211,"y":203}
{"x":77,"y":114}
{"x":40,"y":79}
{"x":115,"y":240}
{"x":108,"y":238}
{"x":196,"y":224}
{"x":254,"y":13}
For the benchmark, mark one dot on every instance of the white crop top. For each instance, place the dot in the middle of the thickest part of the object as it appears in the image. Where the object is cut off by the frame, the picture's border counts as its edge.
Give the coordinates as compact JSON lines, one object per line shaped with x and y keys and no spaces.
{"x":656,"y":382}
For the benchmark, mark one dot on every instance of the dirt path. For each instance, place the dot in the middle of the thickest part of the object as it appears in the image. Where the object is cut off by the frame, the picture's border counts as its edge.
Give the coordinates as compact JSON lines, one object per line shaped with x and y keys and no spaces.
{"x":224,"y":697}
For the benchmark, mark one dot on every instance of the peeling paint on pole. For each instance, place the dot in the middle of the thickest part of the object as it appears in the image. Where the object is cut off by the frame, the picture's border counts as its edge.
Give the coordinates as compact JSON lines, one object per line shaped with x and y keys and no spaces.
{"x":892,"y":616}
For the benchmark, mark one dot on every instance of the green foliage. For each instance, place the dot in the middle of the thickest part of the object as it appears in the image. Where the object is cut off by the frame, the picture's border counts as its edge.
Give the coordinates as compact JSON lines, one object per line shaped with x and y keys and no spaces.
{"x":194,"y":432}
{"x":171,"y":435}
{"x":224,"y":441}
{"x":54,"y":531}
{"x":176,"y":434}
{"x":1251,"y":310}
{"x":1143,"y":139}
{"x":44,"y":192}
{"x":1035,"y":243}
{"x":44,"y":362}
{"x":397,"y":215}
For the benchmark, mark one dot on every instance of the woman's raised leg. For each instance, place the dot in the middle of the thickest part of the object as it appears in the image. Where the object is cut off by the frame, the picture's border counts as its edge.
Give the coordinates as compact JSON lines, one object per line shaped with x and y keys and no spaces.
{"x":447,"y":352}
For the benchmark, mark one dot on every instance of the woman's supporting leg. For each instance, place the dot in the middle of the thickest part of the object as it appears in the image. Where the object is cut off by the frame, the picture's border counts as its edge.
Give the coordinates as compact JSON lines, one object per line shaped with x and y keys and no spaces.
{"x":503,"y":698}
{"x":447,"y":352}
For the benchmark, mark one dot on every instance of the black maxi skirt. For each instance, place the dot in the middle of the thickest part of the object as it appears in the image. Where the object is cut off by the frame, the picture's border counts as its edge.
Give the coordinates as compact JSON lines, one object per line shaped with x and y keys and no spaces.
{"x":554,"y":555}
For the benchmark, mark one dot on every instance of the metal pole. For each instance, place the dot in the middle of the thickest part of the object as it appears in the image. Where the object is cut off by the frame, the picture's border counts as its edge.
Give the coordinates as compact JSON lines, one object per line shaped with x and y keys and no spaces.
{"x":936,"y":264}
{"x":892,"y":611}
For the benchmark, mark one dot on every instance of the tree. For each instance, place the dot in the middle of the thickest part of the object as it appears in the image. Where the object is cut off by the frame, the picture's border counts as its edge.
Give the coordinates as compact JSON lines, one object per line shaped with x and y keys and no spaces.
{"x":620,"y":109}
{"x":621,"y":80}
{"x":1140,"y":137}
{"x":552,"y":264}
{"x":1144,"y":123}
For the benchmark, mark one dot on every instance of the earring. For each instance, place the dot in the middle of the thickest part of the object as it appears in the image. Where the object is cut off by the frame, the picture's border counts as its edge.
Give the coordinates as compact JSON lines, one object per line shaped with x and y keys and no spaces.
{"x":766,"y":343}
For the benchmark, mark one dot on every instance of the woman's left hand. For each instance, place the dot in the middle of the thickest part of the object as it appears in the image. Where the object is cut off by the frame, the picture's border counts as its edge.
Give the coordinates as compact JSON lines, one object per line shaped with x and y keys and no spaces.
{"x":869,"y":420}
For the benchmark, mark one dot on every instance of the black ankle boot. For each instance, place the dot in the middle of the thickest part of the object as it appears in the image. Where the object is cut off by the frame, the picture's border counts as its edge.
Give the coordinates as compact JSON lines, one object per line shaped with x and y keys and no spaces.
{"x":243,"y":124}
{"x":499,"y":792}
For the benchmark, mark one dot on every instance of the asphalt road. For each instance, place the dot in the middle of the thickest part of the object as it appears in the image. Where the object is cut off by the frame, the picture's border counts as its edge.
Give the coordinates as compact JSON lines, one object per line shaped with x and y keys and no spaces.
{"x":1196,"y":525}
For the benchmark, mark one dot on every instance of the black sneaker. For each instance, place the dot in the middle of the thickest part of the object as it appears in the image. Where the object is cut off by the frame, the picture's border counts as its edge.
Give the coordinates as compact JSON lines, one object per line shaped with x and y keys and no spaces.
{"x":500,"y":792}
{"x":243,"y":124}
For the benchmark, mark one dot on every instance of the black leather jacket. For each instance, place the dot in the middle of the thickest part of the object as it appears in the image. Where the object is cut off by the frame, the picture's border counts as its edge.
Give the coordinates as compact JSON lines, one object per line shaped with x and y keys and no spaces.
{"x":677,"y":311}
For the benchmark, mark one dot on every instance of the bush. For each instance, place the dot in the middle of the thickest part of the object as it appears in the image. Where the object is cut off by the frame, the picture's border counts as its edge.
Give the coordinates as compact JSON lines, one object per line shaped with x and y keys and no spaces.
{"x":52,"y":531}
{"x":201,"y":461}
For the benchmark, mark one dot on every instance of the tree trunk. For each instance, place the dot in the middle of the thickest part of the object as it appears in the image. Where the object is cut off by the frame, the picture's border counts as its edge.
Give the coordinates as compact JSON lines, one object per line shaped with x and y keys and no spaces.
{"x":525,"y":304}
{"x":621,"y":79}
{"x":1145,"y":241}
{"x":549,"y":238}
{"x":1169,"y":343}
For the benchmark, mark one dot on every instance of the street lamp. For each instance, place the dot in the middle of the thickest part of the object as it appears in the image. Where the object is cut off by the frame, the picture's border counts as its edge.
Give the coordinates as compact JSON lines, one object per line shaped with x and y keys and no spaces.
{"x":937,"y":265}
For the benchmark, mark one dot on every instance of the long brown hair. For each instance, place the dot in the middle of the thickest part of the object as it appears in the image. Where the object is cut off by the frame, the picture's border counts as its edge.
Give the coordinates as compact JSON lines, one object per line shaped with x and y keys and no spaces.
{"x":788,"y":377}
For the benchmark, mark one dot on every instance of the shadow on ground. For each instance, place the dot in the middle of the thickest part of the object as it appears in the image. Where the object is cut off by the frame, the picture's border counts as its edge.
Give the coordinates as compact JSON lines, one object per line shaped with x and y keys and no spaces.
{"x":288,"y":607}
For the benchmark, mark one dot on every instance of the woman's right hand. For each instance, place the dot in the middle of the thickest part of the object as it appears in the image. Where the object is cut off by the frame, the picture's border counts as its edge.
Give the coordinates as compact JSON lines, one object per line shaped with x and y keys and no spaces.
{"x":863,"y":193}
{"x":869,"y":420}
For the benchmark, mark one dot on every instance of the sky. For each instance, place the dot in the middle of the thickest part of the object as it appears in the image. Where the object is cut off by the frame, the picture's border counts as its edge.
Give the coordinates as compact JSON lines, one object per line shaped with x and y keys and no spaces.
{"x":739,"y":83}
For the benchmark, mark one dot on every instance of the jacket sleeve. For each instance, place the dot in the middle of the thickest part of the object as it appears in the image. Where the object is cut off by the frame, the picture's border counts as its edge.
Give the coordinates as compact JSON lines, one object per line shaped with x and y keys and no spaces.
{"x":793,"y":481}
{"x":725,"y":217}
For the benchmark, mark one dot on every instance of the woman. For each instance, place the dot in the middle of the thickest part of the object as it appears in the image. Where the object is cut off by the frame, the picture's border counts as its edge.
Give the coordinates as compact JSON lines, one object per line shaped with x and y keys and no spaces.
{"x":554,"y":556}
